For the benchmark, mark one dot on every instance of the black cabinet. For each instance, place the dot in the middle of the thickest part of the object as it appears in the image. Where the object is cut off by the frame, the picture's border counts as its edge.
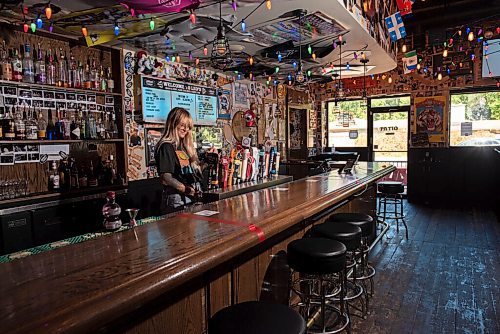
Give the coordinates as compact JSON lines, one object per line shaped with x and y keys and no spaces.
{"x":16,"y":232}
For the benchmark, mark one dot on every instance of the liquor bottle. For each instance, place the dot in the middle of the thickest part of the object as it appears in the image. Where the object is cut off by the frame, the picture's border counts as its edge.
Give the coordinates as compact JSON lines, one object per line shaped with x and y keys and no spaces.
{"x":61,"y":171}
{"x":92,"y":179}
{"x":59,"y":125}
{"x":31,"y":126}
{"x":5,"y":64}
{"x":272,"y":166}
{"x":113,"y":127}
{"x":74,"y":129}
{"x":111,"y":82}
{"x":72,"y":69}
{"x":51,"y":69}
{"x":28,"y":67}
{"x":104,"y":126}
{"x":82,"y":179}
{"x":103,"y":85}
{"x":40,"y":68}
{"x":111,"y":212}
{"x":94,"y":77}
{"x":92,"y":126}
{"x":42,"y":126}
{"x":83,"y":125}
{"x":50,"y":131}
{"x":87,"y":78}
{"x":17,"y":66}
{"x":54,"y":183}
{"x":62,"y":80}
{"x":10,"y":128}
{"x":73,"y":170}
{"x":20,"y":125}
{"x":79,"y":76}
{"x":67,"y":126}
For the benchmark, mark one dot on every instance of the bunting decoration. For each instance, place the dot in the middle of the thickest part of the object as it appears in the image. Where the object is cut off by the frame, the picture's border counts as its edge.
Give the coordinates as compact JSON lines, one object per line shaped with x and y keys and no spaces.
{"x":404,"y":7}
{"x":395,"y":26}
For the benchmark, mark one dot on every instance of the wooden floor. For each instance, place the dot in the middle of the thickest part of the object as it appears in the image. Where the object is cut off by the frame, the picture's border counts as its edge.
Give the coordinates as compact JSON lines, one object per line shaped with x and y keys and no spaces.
{"x":444,"y":279}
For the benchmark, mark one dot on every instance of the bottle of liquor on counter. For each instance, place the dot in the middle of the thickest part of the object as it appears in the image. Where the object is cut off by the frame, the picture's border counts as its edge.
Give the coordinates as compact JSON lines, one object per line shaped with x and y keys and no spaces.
{"x":28,"y":66}
{"x":54,"y":184}
{"x":9,"y":132}
{"x":59,"y":125}
{"x":87,"y":79}
{"x":111,"y":82}
{"x":103,"y":85}
{"x":50,"y":131}
{"x":20,"y":125}
{"x":111,"y":212}
{"x":31,"y":126}
{"x":42,"y":126}
{"x":62,"y":80}
{"x":50,"y":69}
{"x":40,"y":68}
{"x":17,"y":66}
{"x":5,"y":64}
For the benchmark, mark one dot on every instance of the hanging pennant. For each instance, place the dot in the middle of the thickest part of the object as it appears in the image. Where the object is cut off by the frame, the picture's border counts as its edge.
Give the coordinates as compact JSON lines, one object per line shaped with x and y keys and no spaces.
{"x":410,"y":61}
{"x":404,"y":7}
{"x":395,"y":26}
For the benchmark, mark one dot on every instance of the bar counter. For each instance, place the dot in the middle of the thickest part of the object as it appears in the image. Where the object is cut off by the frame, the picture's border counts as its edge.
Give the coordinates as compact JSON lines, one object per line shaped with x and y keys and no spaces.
{"x":170,"y":276}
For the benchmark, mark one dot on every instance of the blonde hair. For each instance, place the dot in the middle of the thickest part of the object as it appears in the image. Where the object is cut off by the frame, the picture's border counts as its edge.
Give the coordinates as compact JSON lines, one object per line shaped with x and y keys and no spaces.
{"x":175,"y":117}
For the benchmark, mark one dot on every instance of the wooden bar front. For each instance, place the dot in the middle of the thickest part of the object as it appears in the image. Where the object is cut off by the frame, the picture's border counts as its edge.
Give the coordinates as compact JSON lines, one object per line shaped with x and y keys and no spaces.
{"x":172,"y":275}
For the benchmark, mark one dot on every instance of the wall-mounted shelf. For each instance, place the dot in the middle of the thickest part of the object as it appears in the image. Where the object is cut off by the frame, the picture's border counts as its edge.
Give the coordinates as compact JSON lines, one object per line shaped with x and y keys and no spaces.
{"x":69,"y":141}
{"x":50,"y":87}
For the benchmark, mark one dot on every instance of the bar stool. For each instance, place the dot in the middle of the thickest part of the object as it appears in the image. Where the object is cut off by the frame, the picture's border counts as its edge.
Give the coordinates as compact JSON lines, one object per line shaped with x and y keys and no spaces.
{"x":320,"y":263}
{"x":391,"y":193}
{"x":350,"y":236}
{"x":256,"y":317}
{"x":365,"y":271}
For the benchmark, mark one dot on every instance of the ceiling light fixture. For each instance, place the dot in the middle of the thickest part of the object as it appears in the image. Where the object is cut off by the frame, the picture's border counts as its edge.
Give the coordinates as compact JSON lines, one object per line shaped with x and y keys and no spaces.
{"x":221,"y":54}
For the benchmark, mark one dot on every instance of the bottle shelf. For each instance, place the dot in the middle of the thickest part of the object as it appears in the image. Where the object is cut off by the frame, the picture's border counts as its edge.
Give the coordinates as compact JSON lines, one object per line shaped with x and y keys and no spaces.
{"x":67,"y":89}
{"x":69,"y":141}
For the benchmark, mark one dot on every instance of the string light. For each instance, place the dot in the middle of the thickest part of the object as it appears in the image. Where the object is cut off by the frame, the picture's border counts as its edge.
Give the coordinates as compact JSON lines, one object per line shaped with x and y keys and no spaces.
{"x":480,"y":31}
{"x":279,"y":57}
{"x":418,"y":67}
{"x":275,"y":82}
{"x":314,"y":56}
{"x":460,"y":33}
{"x":470,"y":37}
{"x":308,"y":73}
{"x":33,"y":26}
{"x":152,"y":24}
{"x":48,"y":11}
{"x":267,"y":82}
{"x":192,"y":17}
{"x":445,"y":53}
{"x":347,"y":66}
{"x":355,"y":55}
{"x":190,"y":56}
{"x":277,"y":69}
{"x":448,"y":71}
{"x":85,"y":32}
{"x":250,"y":60}
{"x":289,"y":77}
{"x":239,"y":76}
{"x":173,"y":59}
{"x":39,"y":22}
{"x":440,"y":76}
{"x":117,"y":29}
{"x":451,"y":41}
{"x":197,"y":61}
{"x":294,"y":64}
{"x":269,"y":78}
{"x":340,"y":38}
{"x":243,"y":26}
{"x":472,"y":56}
{"x":268,"y":4}
{"x":167,"y":58}
{"x":205,"y":51}
{"x":467,"y":31}
{"x":461,"y":64}
{"x":234,"y":5}
{"x":51,"y":27}
{"x":403,"y":49}
{"x":390,"y":79}
{"x":178,"y":58}
{"x":250,"y":75}
{"x":309,"y":49}
{"x":26,"y":27}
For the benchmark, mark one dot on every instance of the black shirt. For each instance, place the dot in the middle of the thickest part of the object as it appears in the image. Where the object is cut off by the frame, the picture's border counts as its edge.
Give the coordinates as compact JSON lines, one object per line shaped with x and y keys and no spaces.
{"x":175,"y":162}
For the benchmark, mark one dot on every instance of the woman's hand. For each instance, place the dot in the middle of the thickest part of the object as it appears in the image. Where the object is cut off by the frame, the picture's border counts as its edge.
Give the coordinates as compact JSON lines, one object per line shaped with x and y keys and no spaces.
{"x":189,"y":191}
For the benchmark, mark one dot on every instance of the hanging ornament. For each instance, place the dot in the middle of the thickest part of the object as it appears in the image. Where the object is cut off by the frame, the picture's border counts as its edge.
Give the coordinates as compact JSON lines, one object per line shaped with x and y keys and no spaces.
{"x":279,"y":56}
{"x":277,"y":69}
{"x":205,"y":51}
{"x":243,"y":26}
{"x":190,"y":56}
{"x":26,"y":27}
{"x":152,"y":24}
{"x":470,"y":37}
{"x":440,"y":76}
{"x":51,"y":27}
{"x":250,"y":60}
{"x":33,"y":26}
{"x":314,"y":56}
{"x":48,"y":11}
{"x":445,"y":53}
{"x":309,"y":49}
{"x":117,"y":29}
{"x":234,"y":5}
{"x":403,"y":49}
{"x":192,"y":17}
{"x":268,"y":4}
{"x":39,"y":22}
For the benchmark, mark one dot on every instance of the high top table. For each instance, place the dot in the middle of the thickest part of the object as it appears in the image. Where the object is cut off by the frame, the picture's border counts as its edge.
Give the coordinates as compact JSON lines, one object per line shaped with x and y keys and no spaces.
{"x":171,"y":275}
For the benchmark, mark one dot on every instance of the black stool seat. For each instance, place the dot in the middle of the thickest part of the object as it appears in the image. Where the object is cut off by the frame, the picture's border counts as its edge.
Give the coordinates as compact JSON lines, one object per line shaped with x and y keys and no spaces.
{"x":256,"y":318}
{"x":364,"y":221}
{"x":316,"y":256}
{"x":391,"y":187}
{"x":348,"y":234}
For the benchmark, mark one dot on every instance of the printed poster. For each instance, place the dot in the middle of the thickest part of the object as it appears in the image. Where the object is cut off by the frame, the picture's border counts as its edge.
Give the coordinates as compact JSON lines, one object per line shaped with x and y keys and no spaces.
{"x":240,"y":93}
{"x":430,"y":118}
{"x":225,"y":102}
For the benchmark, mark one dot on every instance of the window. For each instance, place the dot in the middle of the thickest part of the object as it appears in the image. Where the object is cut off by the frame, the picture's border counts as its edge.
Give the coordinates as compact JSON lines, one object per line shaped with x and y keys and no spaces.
{"x":347,"y":124}
{"x":399,"y":101}
{"x":475,"y":119}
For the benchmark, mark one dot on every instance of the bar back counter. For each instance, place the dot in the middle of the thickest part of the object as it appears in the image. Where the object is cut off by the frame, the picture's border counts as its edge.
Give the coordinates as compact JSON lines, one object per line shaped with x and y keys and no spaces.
{"x":170,"y":276}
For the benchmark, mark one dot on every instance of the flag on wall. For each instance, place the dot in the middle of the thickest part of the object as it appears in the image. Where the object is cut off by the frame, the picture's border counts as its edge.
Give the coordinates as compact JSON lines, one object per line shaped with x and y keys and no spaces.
{"x":395,"y":26}
{"x":410,"y":61}
{"x":404,"y":7}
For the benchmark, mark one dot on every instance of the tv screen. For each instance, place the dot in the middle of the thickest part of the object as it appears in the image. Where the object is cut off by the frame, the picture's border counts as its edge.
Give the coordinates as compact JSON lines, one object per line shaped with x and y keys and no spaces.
{"x":160,"y":96}
{"x":491,"y":49}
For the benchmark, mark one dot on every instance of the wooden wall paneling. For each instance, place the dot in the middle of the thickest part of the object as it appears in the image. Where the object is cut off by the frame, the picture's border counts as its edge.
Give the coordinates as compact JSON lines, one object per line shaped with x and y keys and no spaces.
{"x":186,"y":316}
{"x":35,"y":173}
{"x":245,"y":286}
{"x":219,"y":293}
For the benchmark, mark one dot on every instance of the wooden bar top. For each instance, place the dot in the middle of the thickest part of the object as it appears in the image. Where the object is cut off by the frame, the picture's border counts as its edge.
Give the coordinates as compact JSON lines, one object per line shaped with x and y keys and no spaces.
{"x":80,"y":288}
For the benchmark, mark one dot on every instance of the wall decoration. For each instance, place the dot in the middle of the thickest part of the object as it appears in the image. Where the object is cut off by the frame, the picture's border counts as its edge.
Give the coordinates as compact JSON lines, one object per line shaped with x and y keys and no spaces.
{"x":225,"y":102}
{"x":395,"y":26}
{"x":431,"y":117}
{"x":240,"y":94}
{"x":296,"y":140}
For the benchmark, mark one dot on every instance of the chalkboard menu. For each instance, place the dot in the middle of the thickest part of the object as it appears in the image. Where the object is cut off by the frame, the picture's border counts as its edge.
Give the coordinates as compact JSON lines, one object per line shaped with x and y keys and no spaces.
{"x":160,"y":96}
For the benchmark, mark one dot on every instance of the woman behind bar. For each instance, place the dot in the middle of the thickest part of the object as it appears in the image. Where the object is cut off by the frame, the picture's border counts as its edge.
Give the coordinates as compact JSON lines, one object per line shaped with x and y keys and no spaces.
{"x":177,"y":162}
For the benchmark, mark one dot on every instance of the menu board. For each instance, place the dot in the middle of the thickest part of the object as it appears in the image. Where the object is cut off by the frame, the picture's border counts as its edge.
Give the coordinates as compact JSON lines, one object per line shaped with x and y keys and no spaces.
{"x":160,"y":96}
